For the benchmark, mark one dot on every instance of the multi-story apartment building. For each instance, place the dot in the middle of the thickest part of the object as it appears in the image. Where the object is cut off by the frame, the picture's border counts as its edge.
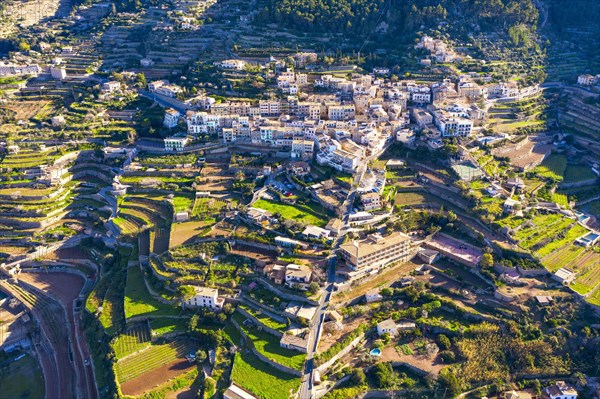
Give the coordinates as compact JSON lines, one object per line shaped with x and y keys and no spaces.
{"x":174,"y":144}
{"x":171,"y":118}
{"x":375,"y":252}
{"x":341,"y":112}
{"x":451,"y":126}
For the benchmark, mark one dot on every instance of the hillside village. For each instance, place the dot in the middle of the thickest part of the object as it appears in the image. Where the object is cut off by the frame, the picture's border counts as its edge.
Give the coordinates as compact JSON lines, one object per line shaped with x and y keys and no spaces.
{"x":185,"y":212}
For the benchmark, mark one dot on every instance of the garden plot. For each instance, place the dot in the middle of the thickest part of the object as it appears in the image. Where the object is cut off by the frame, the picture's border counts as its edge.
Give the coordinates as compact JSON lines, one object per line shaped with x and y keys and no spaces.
{"x":136,"y":338}
{"x":208,"y":207}
{"x":309,"y":213}
{"x":151,"y":358}
{"x":26,"y":110}
{"x":261,"y":379}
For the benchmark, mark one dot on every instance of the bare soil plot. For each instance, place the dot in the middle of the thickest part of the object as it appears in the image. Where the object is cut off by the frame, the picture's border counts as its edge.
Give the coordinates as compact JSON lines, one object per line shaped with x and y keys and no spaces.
{"x":63,"y":286}
{"x":433,"y":366}
{"x":184,"y":233}
{"x":156,"y":377}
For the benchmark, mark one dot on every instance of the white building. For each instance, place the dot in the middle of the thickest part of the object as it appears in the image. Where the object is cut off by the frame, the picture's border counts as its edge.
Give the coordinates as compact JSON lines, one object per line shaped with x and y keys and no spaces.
{"x":111,"y":86}
{"x":232,"y":64}
{"x":17,"y":70}
{"x":297,"y":275}
{"x":207,"y":298}
{"x":146,"y":63}
{"x":171,"y":118}
{"x":586,"y":80}
{"x":387,"y":327}
{"x":370,"y":201}
{"x":453,"y":126}
{"x":174,"y":144}
{"x":58,"y":73}
{"x":164,"y":88}
{"x":315,"y":232}
{"x":561,"y":390}
{"x":373,"y":296}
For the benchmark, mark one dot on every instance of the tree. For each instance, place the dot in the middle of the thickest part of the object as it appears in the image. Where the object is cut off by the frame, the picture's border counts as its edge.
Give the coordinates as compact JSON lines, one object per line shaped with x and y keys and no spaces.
{"x":193,"y":323}
{"x":358,"y":377}
{"x":487,"y":261}
{"x":313,"y":288}
{"x":140,"y":79}
{"x":185,"y":292}
{"x":449,"y":380}
{"x":383,"y":375}
{"x":200,"y":355}
{"x":24,"y":46}
{"x":444,"y":342}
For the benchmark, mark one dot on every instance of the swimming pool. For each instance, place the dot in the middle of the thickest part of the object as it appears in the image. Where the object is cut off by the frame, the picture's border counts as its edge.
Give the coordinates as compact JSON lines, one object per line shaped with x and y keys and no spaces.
{"x":375,"y":352}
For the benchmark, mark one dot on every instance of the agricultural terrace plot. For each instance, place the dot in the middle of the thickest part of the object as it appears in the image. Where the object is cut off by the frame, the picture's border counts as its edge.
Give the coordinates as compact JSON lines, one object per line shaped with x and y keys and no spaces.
{"x":577,"y":173}
{"x":561,"y":199}
{"x":182,"y":203}
{"x":22,"y":378}
{"x":563,"y":257}
{"x":592,"y":207}
{"x":127,"y":226}
{"x":594,"y":298}
{"x":138,"y":300}
{"x":28,"y":109}
{"x":588,"y":272}
{"x":411,"y":198}
{"x":553,"y":167}
{"x":135,"y":338}
{"x":539,"y":222}
{"x":28,"y":159}
{"x":169,"y":160}
{"x":268,"y":345}
{"x":161,"y":326}
{"x":208,"y":207}
{"x":265,"y":319}
{"x":262,"y":380}
{"x":140,"y":212}
{"x":569,"y":237}
{"x":151,"y":358}
{"x":305,"y":213}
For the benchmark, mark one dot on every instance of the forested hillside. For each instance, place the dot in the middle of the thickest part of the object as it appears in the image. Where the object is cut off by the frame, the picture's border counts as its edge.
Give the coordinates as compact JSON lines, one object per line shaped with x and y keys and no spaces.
{"x":397,"y":16}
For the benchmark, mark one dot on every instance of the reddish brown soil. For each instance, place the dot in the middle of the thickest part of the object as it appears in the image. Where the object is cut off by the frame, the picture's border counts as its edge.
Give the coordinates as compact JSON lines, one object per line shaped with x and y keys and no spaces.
{"x":156,"y":377}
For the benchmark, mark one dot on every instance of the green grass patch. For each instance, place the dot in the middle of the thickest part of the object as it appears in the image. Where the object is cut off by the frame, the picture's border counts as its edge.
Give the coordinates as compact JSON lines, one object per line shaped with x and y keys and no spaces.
{"x":268,"y":345}
{"x":138,"y":300}
{"x":262,"y":380}
{"x":577,"y":173}
{"x":161,"y":326}
{"x":309,"y":213}
{"x":22,"y":379}
{"x":574,"y":233}
{"x":553,"y":167}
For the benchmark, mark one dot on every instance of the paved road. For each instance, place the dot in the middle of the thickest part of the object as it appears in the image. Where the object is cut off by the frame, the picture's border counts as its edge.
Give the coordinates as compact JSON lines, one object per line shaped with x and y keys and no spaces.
{"x":306,"y":389}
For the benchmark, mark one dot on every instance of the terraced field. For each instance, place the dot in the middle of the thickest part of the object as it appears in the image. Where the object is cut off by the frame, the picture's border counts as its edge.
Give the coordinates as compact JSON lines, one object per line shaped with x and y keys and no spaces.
{"x":151,"y":358}
{"x":588,"y":268}
{"x":569,"y":237}
{"x":562,"y":257}
{"x":207,"y":207}
{"x":136,"y":338}
{"x":553,"y":167}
